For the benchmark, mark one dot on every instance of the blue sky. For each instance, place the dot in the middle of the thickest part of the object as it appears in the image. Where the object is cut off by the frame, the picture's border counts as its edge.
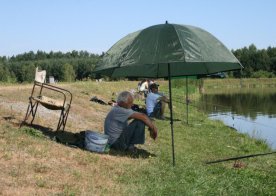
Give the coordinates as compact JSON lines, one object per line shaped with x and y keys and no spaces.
{"x":95,"y":25}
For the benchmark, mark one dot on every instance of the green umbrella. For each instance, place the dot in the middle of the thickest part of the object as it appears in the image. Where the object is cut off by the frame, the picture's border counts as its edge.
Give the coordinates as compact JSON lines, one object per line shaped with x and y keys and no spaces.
{"x":165,"y":51}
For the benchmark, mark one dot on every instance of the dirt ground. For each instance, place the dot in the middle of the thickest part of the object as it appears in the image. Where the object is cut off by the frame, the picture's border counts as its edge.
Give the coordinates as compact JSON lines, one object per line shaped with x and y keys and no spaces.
{"x":43,"y":165}
{"x":83,"y":115}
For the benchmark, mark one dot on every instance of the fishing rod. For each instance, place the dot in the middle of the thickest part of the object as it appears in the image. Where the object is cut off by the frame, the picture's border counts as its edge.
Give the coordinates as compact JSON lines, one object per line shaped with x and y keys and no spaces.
{"x":239,"y":157}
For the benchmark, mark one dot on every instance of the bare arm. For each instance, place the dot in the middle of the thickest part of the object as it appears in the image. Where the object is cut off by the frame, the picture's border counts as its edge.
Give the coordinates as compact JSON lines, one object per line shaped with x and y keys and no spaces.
{"x":144,"y":118}
{"x":164,"y":98}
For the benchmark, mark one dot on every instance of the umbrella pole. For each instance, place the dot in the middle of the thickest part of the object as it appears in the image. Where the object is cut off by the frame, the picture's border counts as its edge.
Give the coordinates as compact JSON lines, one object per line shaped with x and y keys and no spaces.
{"x":171,"y":112}
{"x":187,"y":101}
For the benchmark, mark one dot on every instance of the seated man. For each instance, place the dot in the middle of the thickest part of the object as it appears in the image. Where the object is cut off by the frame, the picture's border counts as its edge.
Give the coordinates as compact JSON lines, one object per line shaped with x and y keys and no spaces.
{"x":123,"y":136}
{"x":155,"y":103}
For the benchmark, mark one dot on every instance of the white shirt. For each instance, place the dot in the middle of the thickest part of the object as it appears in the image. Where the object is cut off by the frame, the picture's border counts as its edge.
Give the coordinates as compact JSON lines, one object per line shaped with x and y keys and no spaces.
{"x":144,"y":86}
{"x":151,"y":102}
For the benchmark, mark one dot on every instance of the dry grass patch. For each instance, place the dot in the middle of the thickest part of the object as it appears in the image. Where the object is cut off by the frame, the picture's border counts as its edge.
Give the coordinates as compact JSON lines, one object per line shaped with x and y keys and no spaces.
{"x":40,"y":166}
{"x":32,"y":164}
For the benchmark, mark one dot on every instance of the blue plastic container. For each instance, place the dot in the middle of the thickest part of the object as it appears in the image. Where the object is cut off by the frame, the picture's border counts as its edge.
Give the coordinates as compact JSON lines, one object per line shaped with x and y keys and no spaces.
{"x":95,"y":141}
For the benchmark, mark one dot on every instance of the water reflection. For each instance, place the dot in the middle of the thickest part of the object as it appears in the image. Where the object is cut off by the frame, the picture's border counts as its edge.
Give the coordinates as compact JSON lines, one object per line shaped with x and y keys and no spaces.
{"x":253,"y":113}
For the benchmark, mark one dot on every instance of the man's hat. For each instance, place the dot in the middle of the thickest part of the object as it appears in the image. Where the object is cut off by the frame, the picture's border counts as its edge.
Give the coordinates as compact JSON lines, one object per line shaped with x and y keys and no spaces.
{"x":154,"y":85}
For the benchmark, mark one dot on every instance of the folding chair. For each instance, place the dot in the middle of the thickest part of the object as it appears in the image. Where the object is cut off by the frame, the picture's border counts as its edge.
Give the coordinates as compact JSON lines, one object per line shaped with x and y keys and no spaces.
{"x":38,"y":96}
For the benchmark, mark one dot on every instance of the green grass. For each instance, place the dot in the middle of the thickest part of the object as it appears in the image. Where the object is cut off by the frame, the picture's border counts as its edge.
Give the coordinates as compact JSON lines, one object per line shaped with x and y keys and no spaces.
{"x":195,"y":144}
{"x":244,"y":84}
{"x":34,"y":164}
{"x":32,"y":132}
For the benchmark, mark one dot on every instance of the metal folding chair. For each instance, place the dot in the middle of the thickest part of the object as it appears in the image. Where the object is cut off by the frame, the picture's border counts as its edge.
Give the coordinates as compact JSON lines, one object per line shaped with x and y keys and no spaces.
{"x":40,"y":95}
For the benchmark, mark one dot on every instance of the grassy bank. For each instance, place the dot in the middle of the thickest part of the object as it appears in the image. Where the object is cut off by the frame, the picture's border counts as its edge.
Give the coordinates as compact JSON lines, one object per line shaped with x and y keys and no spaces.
{"x":33,"y":162}
{"x":236,"y":84}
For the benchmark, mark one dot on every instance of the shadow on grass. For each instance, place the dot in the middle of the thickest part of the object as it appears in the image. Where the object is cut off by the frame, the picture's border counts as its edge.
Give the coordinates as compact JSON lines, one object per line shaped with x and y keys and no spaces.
{"x":70,"y":139}
{"x":166,"y":119}
{"x":175,"y":120}
{"x":139,"y":153}
{"x":76,"y":140}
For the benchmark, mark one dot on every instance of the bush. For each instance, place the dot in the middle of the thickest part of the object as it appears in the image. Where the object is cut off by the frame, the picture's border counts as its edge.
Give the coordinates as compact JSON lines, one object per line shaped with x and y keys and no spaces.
{"x":262,"y":74}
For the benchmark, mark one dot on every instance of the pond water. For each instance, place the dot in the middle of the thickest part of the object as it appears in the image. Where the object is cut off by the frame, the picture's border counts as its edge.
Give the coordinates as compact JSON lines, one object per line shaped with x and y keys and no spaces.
{"x":248,"y":112}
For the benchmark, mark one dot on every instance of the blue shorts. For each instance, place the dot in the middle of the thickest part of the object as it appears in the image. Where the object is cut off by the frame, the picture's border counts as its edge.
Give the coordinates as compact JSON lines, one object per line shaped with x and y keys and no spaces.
{"x":156,"y":110}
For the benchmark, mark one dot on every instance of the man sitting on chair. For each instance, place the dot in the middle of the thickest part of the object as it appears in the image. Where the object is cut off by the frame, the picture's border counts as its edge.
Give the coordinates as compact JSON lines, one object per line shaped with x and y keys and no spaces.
{"x":155,"y":103}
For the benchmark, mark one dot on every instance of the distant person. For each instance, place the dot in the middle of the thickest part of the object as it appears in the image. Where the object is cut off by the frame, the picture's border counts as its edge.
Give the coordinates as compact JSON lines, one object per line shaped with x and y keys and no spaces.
{"x":124,"y":135}
{"x":143,"y":87}
{"x":155,"y":103}
{"x":150,"y":82}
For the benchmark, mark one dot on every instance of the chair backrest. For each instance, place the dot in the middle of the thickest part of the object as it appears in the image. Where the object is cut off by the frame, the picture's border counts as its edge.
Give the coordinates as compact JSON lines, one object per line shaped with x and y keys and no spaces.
{"x":40,"y":76}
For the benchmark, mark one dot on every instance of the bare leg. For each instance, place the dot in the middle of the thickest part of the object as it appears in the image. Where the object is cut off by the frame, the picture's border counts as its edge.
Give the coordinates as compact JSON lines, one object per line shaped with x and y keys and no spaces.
{"x":163,"y":106}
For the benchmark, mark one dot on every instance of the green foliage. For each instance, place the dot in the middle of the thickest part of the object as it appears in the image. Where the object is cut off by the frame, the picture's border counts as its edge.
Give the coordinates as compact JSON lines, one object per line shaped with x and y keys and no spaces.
{"x":28,"y":72}
{"x":68,"y":73}
{"x":63,"y":66}
{"x":262,"y":74}
{"x":32,"y":132}
{"x":6,"y":75}
{"x":20,"y":67}
{"x":254,"y":60}
{"x":187,"y":86}
{"x":84,"y":70}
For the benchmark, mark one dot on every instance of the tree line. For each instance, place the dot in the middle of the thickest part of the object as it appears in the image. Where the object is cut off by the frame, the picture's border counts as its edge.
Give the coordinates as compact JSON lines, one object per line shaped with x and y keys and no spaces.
{"x":79,"y":65}
{"x":256,"y":63}
{"x":67,"y":67}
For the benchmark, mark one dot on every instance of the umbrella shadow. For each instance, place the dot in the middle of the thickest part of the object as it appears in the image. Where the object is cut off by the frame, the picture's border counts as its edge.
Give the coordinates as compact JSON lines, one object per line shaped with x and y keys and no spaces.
{"x":175,"y":119}
{"x":70,"y":139}
{"x":166,"y":119}
{"x":138,"y":153}
{"x":76,"y":140}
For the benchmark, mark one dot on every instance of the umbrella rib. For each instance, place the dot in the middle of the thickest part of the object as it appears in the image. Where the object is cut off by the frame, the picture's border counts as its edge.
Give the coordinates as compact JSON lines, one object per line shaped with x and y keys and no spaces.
{"x":126,"y":49}
{"x":179,"y":42}
{"x":156,"y":46}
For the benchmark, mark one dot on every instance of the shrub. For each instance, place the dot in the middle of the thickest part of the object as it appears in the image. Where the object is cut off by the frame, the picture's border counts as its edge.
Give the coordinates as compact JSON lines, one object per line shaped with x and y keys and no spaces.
{"x":262,"y":74}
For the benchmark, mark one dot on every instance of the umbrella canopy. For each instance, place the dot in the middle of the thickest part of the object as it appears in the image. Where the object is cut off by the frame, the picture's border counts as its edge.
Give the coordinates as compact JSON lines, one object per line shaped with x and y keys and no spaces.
{"x":146,"y":53}
{"x":167,"y":50}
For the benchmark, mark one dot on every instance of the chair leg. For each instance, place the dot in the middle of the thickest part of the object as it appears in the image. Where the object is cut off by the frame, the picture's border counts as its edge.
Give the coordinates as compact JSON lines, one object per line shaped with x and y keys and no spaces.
{"x":34,"y":112}
{"x":66,"y":116}
{"x":31,"y":110}
{"x":61,"y":124}
{"x":26,"y":116}
{"x":62,"y":120}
